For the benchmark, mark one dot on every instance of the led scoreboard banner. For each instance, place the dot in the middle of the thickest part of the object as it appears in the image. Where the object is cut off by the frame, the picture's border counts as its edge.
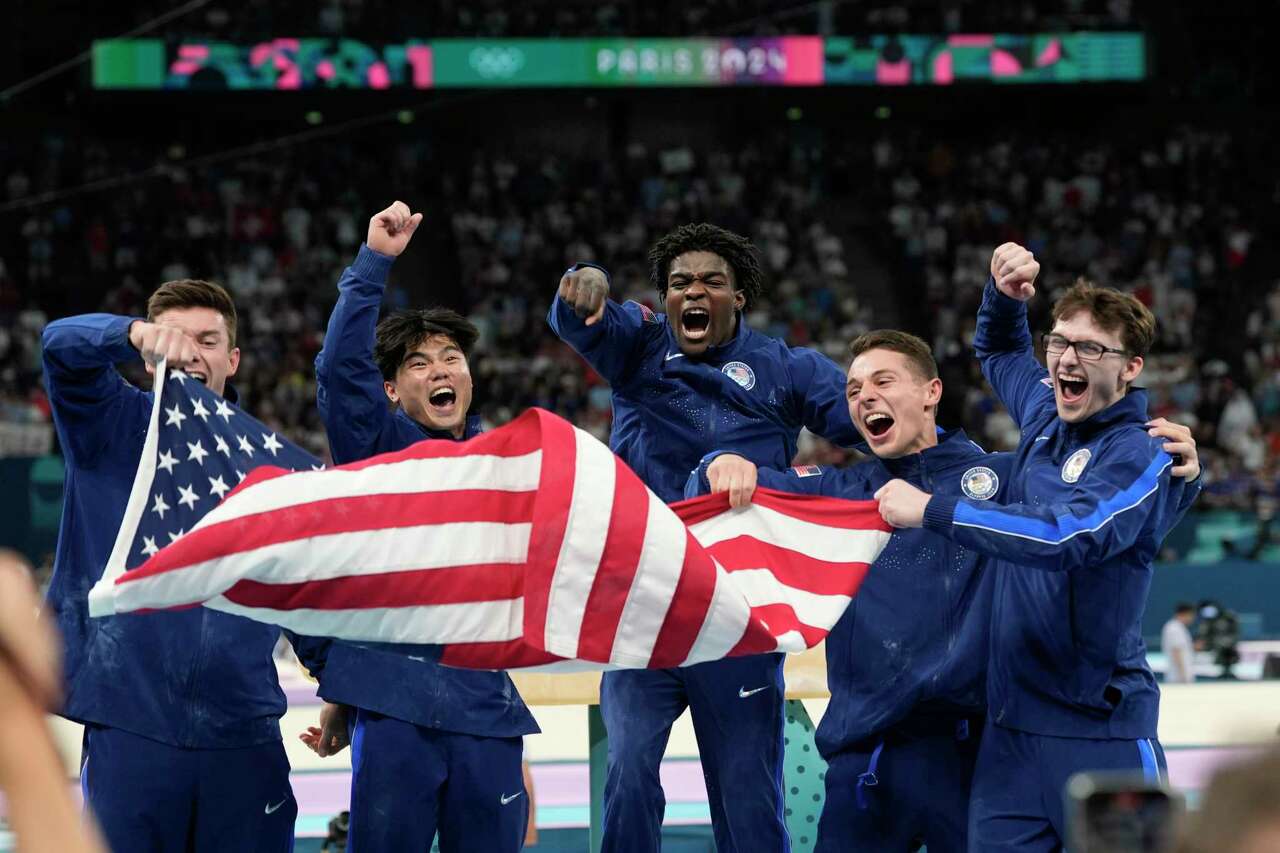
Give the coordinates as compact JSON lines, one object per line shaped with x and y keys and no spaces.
{"x":877,"y":60}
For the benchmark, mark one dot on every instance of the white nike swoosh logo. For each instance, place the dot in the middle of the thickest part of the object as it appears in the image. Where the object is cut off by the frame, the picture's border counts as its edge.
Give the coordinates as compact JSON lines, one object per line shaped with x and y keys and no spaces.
{"x":1041,"y":438}
{"x":271,"y":809}
{"x":672,"y":355}
{"x":743,"y":692}
{"x":506,"y":799}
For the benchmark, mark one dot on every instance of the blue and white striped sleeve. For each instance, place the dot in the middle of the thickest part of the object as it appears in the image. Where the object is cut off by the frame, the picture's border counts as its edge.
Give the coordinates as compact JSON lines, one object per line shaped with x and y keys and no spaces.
{"x":1123,"y":502}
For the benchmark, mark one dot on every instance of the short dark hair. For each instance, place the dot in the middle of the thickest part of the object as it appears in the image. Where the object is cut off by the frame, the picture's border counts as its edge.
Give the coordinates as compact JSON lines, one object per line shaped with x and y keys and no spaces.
{"x":918,"y":353}
{"x":1112,"y":310}
{"x":1184,"y":607}
{"x":401,"y":330}
{"x":194,"y":293}
{"x":738,"y":252}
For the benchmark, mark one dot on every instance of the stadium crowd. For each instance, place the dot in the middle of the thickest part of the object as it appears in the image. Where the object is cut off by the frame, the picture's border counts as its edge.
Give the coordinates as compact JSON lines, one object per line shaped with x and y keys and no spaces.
{"x":1167,"y":215}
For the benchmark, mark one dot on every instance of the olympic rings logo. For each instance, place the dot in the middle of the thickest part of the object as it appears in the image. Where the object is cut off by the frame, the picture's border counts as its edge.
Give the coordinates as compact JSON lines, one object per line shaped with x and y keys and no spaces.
{"x":491,"y":62}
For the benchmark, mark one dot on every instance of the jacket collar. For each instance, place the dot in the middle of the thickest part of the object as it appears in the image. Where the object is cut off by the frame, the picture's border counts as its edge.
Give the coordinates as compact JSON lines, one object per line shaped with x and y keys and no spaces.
{"x":471,"y":430}
{"x":953,"y":445}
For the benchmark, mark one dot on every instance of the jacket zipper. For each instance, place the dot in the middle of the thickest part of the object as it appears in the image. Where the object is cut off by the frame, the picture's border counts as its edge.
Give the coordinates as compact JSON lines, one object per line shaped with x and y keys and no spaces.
{"x":196,"y":665}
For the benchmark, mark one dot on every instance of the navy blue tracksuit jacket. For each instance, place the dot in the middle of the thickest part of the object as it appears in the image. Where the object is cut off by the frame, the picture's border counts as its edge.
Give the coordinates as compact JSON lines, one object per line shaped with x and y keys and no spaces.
{"x":1087,"y":507}
{"x":914,"y":640}
{"x":1068,"y":686}
{"x":181,"y":708}
{"x":751,"y":396}
{"x":189,"y":678}
{"x":359,"y":424}
{"x":433,"y":747}
{"x":906,"y":663}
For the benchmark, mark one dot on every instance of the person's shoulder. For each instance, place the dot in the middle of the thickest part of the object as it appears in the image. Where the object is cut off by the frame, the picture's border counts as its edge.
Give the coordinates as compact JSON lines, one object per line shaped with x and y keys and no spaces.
{"x":646,"y":315}
{"x":1132,"y":440}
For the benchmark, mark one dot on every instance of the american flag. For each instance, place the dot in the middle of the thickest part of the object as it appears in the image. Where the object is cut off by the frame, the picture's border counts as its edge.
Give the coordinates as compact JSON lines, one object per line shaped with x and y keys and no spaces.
{"x":529,"y":546}
{"x":199,"y":447}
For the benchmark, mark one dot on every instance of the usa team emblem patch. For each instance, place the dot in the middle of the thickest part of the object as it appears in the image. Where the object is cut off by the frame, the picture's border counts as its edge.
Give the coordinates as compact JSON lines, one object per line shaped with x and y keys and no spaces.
{"x":980,"y":483}
{"x":1074,"y":466}
{"x":807,"y":470}
{"x":740,"y":373}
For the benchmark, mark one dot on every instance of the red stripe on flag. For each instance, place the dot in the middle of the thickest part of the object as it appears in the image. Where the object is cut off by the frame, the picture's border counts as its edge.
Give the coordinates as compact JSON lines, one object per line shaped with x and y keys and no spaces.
{"x":511,"y":654}
{"x":618,"y":566}
{"x":334,"y":516}
{"x":701,"y":508}
{"x":518,"y":438}
{"x":688,"y":608}
{"x":790,"y":567}
{"x":550,"y":517}
{"x":828,"y":512}
{"x":415,"y":587}
{"x":259,"y":475}
{"x":769,"y":622}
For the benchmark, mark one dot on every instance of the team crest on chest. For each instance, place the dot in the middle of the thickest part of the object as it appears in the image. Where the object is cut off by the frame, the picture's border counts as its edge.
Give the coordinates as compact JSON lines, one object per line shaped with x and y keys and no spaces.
{"x":980,"y":483}
{"x":740,"y":373}
{"x":1074,"y":466}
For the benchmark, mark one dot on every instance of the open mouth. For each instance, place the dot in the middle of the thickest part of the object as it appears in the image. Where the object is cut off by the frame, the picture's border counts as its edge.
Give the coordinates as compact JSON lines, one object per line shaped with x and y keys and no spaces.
{"x":695,"y":322}
{"x":1072,"y":387}
{"x":877,"y":424}
{"x":443,"y":399}
{"x":199,"y":376}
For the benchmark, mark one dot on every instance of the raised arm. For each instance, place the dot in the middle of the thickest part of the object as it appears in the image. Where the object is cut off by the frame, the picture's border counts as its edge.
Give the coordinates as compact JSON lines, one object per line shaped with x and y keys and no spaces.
{"x":86,"y":392}
{"x":349,"y":388}
{"x":608,"y":335}
{"x":1003,"y":339}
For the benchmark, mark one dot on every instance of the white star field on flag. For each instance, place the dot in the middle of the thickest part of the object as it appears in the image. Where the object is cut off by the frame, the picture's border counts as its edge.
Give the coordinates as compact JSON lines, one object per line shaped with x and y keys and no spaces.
{"x":207,"y":447}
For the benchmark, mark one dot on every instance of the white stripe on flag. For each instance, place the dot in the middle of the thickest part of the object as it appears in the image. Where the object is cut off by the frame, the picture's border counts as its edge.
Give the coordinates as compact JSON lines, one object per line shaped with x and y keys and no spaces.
{"x":791,"y":641}
{"x":142,"y":479}
{"x":585,"y":533}
{"x":762,"y":587}
{"x":725,"y":624}
{"x":654,"y":585}
{"x":476,"y":622}
{"x":831,"y":544}
{"x":364,"y":552}
{"x":412,"y":476}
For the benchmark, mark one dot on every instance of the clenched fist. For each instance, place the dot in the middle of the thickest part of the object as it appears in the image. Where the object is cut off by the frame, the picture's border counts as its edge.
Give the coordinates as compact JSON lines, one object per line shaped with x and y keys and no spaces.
{"x":733,"y":474}
{"x":1014,"y":269}
{"x":902,"y":504}
{"x":167,"y":343}
{"x":586,"y":291}
{"x":391,"y":230}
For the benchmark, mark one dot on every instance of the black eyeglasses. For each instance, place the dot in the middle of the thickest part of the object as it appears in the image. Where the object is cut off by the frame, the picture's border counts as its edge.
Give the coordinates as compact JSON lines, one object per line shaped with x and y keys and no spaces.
{"x":1086,"y":350}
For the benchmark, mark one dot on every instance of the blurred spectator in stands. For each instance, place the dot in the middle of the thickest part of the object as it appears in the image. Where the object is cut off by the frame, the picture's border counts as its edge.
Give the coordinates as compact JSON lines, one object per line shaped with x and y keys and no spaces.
{"x":1176,"y":644}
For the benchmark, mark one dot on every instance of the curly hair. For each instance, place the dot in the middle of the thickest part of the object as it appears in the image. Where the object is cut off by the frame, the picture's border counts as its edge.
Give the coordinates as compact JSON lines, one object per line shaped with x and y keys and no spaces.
{"x":737,"y":251}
